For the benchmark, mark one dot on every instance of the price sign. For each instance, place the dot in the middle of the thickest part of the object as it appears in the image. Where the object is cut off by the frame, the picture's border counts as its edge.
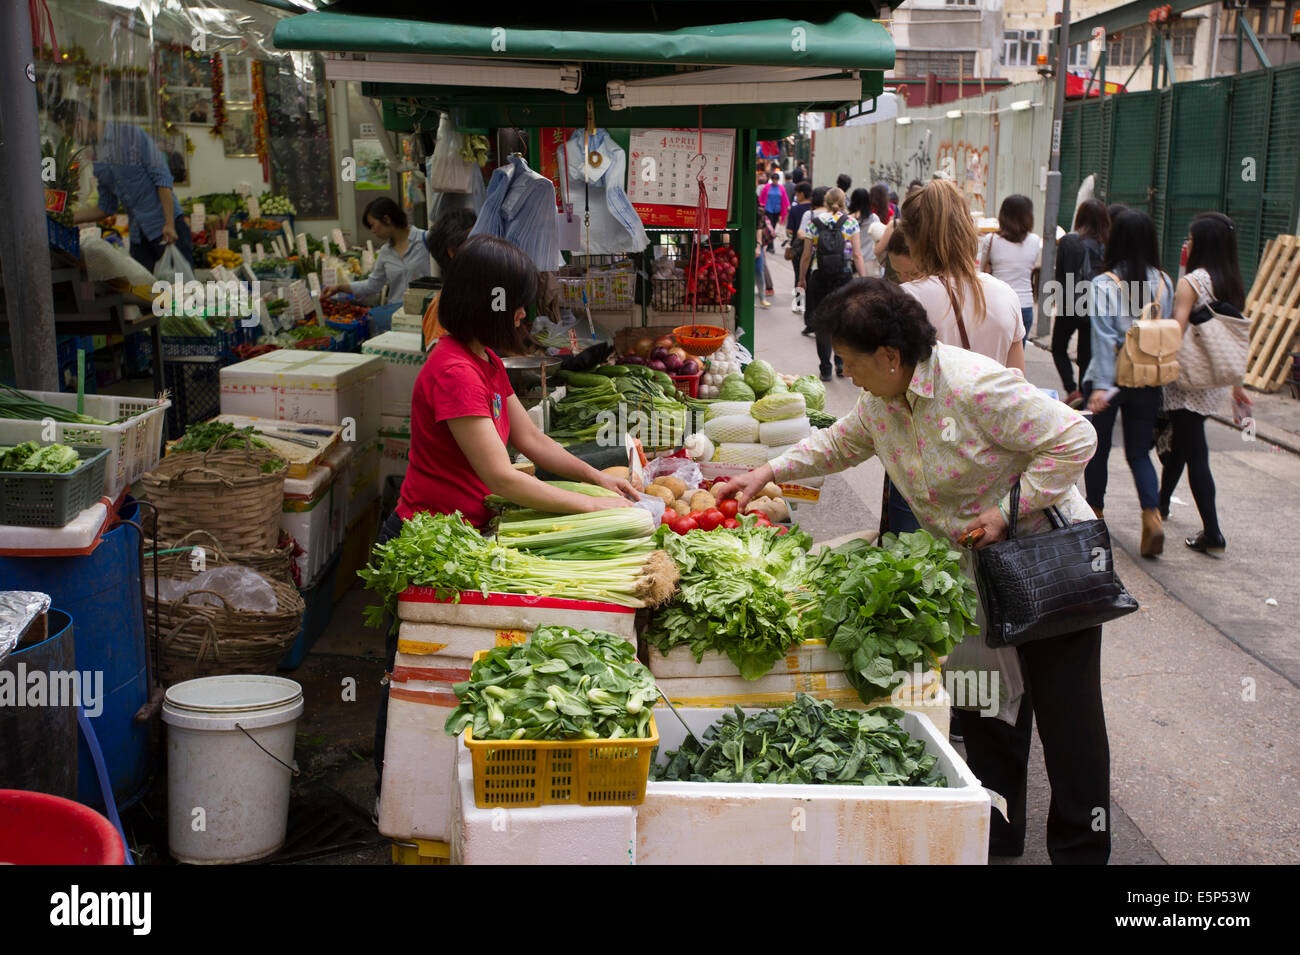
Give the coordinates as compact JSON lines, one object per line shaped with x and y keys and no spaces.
{"x":370,"y":246}
{"x":247,"y":252}
{"x":278,"y":245}
{"x":367,"y":260}
{"x":248,"y":270}
{"x":297,"y":293}
{"x":314,"y":281}
{"x":329,"y":277}
{"x":261,"y":252}
{"x":198,"y":217}
{"x":338,"y":240}
{"x":223,"y":238}
{"x":302,"y":244}
{"x":288,"y":233}
{"x":254,"y":209}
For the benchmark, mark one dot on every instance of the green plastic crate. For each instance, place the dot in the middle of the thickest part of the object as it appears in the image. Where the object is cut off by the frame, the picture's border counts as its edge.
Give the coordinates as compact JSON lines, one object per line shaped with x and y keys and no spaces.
{"x":52,"y":500}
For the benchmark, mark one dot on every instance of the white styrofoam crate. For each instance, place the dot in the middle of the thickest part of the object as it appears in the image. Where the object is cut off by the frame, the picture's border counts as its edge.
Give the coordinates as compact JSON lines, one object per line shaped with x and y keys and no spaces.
{"x":539,"y":835}
{"x":760,"y":824}
{"x":512,"y":612}
{"x":811,"y":656}
{"x":403,"y":358}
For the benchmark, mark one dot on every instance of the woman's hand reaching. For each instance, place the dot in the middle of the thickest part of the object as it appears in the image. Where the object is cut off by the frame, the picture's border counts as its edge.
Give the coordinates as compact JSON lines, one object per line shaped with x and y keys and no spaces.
{"x":619,"y":486}
{"x":744,"y":488}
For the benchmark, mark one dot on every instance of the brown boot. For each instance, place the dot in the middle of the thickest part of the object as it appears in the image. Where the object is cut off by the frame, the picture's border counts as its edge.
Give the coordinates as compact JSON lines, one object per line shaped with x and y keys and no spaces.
{"x":1153,"y":533}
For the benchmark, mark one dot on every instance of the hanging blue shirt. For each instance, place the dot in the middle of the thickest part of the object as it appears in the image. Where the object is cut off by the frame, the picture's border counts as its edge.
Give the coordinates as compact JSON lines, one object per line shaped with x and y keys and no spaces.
{"x":130,"y":168}
{"x":520,"y":207}
{"x":597,"y":194}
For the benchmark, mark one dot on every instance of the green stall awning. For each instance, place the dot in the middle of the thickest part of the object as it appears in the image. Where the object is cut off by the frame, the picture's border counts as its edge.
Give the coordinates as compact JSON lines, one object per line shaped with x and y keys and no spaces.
{"x":846,"y":41}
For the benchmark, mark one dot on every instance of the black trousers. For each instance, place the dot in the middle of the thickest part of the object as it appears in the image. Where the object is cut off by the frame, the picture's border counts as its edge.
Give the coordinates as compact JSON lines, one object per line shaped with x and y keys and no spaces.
{"x":1064,"y":327}
{"x":1063,"y":690}
{"x":820,"y":286}
{"x":387,"y":531}
{"x":1189,"y":450}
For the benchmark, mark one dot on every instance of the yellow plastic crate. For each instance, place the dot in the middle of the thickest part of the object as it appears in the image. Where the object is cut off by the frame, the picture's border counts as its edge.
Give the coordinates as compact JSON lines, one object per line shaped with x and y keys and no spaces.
{"x":421,"y":852}
{"x":585,"y":772}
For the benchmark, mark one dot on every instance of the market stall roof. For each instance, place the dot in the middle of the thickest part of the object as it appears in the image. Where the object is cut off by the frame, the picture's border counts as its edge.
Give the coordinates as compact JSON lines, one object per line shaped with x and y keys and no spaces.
{"x":655,"y":71}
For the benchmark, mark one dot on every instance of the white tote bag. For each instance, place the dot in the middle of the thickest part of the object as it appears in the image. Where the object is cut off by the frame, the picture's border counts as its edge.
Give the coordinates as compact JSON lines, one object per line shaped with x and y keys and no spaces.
{"x":1214,"y":353}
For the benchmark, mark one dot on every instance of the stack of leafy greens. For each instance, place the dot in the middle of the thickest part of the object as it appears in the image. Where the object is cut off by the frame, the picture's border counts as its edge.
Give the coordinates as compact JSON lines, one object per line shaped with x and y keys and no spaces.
{"x":30,"y":456}
{"x":808,"y":742}
{"x":885,"y":608}
{"x":561,"y":684}
{"x":616,"y":532}
{"x":742,"y":594}
{"x":445,"y":552}
{"x":596,"y":404}
{"x":202,"y":437}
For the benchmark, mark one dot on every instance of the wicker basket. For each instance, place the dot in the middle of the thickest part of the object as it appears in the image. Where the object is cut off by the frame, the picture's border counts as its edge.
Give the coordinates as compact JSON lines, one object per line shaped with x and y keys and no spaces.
{"x":222,"y":492}
{"x":195,"y":640}
{"x":274,"y":564}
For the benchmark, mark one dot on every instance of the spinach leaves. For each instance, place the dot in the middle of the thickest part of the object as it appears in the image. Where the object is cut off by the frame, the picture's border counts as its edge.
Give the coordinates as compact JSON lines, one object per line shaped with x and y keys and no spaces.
{"x":807,"y":742}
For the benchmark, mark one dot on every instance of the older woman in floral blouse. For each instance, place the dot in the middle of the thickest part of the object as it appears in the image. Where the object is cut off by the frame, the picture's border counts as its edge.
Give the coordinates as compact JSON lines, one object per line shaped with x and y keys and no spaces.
{"x":954,"y":431}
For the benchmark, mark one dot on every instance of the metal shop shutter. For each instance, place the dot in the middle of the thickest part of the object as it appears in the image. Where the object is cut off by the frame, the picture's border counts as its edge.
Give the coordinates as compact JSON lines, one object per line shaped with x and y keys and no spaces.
{"x":1248,"y":122}
{"x":1135,"y":123}
{"x":1199,"y":149}
{"x":1282,"y":168}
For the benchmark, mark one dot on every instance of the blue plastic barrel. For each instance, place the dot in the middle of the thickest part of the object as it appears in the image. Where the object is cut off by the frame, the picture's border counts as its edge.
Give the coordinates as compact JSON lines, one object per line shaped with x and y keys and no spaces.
{"x":101,"y":592}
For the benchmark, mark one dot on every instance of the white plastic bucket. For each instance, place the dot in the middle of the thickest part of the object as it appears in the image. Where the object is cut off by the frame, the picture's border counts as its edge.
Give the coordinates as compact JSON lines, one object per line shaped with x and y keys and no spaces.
{"x":229,"y":745}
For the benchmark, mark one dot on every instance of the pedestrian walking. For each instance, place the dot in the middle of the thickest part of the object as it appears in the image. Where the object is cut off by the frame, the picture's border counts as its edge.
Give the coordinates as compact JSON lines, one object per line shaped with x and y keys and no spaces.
{"x":774,"y":203}
{"x":794,"y":244}
{"x":762,"y":277}
{"x":969,"y":309}
{"x":1213,"y":279}
{"x":870,"y":225}
{"x":834,"y":254}
{"x":914,"y":391}
{"x":844,"y":182}
{"x":1013,"y":252}
{"x":1078,"y":259}
{"x":816,"y":204}
{"x":1131,"y":278}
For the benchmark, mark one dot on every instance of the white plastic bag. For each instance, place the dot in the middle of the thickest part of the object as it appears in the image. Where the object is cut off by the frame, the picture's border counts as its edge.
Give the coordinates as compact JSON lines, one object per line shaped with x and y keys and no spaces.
{"x":171,"y":264}
{"x":245,"y":589}
{"x":684,"y":469}
{"x":105,"y":262}
{"x":448,"y":172}
{"x":654,"y":505}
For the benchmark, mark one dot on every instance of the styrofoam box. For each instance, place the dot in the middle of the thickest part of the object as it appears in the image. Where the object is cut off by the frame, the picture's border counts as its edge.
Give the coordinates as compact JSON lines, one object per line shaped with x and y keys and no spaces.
{"x":762,"y":824}
{"x":315,"y":512}
{"x":811,"y":656}
{"x":539,"y":835}
{"x":394,"y":445}
{"x":404,"y":321}
{"x":419,"y":756}
{"x":308,"y":387}
{"x":403,"y":358}
{"x":363,"y":481}
{"x":434,"y":651}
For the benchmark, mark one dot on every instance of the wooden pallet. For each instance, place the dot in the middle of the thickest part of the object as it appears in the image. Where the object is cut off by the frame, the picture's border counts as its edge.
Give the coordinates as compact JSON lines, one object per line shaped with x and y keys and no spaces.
{"x":1273,"y":307}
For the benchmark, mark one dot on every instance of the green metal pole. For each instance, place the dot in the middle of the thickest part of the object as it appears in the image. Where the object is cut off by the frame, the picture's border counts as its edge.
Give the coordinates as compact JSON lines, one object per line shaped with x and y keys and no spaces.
{"x":1240,"y":36}
{"x":747,"y":210}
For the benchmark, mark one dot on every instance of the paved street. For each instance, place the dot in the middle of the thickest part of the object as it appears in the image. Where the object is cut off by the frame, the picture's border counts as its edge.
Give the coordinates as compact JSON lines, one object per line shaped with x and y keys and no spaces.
{"x":1201,"y":685}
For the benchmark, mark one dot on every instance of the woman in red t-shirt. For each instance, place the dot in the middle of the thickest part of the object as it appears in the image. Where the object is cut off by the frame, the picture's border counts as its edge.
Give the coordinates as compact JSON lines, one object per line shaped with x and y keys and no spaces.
{"x":464,"y":412}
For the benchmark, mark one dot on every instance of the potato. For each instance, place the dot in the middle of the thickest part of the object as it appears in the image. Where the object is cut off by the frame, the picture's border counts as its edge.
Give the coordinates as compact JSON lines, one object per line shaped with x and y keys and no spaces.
{"x":623,"y":473}
{"x":702,"y":501}
{"x":674,"y":484}
{"x":681,"y":507}
{"x":661,"y":492}
{"x":770,"y":490}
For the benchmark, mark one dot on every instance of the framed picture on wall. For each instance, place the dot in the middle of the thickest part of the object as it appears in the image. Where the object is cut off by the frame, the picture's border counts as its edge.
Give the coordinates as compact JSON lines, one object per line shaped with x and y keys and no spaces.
{"x":174,"y":149}
{"x":238,"y":78}
{"x":190,"y":107}
{"x":237,"y":135}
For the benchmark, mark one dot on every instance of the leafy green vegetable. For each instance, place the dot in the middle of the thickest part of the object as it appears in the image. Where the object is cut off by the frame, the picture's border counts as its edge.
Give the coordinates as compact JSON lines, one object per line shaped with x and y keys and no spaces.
{"x":30,"y":456}
{"x":562,"y":684}
{"x":734,"y":388}
{"x":779,"y":406}
{"x":820,"y":419}
{"x":813,"y":391}
{"x":760,"y":375}
{"x":202,"y":436}
{"x":445,"y":552}
{"x":885,"y":608}
{"x":807,"y":742}
{"x":21,"y":406}
{"x":742,"y":593}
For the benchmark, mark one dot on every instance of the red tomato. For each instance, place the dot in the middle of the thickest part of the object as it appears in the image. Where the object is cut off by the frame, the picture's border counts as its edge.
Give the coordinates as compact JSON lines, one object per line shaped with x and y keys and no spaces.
{"x":729,"y":507}
{"x":695,"y":516}
{"x":669,"y":516}
{"x":760,"y":518}
{"x":711,"y":519}
{"x":684,"y":525}
{"x":730,"y":524}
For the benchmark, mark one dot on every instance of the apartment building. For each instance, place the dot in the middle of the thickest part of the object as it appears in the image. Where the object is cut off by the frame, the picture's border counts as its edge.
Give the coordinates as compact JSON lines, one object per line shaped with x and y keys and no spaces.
{"x":1005,"y":38}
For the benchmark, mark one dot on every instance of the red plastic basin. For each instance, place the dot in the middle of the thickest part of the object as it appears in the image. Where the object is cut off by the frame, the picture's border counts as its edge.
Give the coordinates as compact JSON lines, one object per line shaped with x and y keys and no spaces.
{"x":40,"y":829}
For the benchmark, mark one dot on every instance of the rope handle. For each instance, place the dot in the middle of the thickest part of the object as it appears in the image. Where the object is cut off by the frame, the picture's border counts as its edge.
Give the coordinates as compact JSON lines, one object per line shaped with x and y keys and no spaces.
{"x":210,"y":639}
{"x":185,"y":601}
{"x":212,"y":539}
{"x":221,"y":478}
{"x":292,"y":769}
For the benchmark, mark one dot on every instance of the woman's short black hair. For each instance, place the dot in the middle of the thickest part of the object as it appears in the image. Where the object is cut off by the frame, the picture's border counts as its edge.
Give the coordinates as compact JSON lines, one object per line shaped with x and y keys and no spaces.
{"x":1016,"y":218}
{"x":860,"y":201}
{"x":1092,"y":220}
{"x":448,"y":234}
{"x":843,"y":181}
{"x":381,"y":207}
{"x":486,"y":281}
{"x":819,"y":196}
{"x":1214,"y":248}
{"x":869,"y":314}
{"x":803,"y":189}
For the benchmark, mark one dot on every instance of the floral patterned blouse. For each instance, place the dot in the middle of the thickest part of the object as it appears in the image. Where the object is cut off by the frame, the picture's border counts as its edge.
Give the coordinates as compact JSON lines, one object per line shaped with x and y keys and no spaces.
{"x":955,"y":441}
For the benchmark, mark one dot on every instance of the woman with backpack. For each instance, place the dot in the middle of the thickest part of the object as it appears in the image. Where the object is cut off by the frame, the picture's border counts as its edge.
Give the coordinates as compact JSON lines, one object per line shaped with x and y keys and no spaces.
{"x":1131,"y":278}
{"x":832,"y":250}
{"x":1213,"y":279}
{"x":1078,"y":259}
{"x":1012,"y":253}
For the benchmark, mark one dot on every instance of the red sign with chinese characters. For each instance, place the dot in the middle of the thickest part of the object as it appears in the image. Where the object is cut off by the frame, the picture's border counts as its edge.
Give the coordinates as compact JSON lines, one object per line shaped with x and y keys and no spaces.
{"x":55,"y":200}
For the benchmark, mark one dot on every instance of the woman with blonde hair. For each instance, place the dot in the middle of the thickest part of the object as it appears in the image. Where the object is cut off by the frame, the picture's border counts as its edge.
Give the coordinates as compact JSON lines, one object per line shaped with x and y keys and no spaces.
{"x":832,"y":249}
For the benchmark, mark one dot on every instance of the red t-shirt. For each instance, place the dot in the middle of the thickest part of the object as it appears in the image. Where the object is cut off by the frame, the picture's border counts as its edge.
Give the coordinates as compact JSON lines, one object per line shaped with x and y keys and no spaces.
{"x":454,"y":383}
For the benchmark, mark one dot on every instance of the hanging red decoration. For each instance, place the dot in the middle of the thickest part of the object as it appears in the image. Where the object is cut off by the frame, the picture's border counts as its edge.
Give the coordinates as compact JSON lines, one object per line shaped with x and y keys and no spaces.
{"x":218,"y":97}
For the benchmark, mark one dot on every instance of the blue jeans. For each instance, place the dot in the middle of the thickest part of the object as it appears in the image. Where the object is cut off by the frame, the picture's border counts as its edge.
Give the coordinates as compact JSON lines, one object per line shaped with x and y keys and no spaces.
{"x":1141,"y":406}
{"x":1027,"y":314}
{"x":901,"y":518}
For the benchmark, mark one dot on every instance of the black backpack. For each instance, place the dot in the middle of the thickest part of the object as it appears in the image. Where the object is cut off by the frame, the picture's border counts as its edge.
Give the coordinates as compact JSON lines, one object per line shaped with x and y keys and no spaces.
{"x":830,"y":245}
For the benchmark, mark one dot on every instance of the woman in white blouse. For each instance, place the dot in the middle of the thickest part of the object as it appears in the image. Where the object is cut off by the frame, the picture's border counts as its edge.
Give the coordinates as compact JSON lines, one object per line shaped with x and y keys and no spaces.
{"x":955,"y":430}
{"x":402,"y":258}
{"x":1012,"y":253}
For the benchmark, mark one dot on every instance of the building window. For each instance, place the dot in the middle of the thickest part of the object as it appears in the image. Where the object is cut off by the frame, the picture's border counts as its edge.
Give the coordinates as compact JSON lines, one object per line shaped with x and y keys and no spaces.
{"x":943,"y":63}
{"x":1182,"y":39}
{"x":1125,"y":49}
{"x":1020,"y":47}
{"x":959,"y":3}
{"x":1079,"y":55}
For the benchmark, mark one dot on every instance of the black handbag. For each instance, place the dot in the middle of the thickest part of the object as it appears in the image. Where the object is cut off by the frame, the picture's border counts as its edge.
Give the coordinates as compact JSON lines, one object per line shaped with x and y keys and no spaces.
{"x":1048,"y":584}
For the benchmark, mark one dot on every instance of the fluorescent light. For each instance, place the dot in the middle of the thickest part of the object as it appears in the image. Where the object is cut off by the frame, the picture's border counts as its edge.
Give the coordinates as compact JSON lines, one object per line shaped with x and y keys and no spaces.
{"x":623,"y":95}
{"x":455,"y":72}
{"x":954,"y":114}
{"x":904,"y":121}
{"x":1022,"y":104}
